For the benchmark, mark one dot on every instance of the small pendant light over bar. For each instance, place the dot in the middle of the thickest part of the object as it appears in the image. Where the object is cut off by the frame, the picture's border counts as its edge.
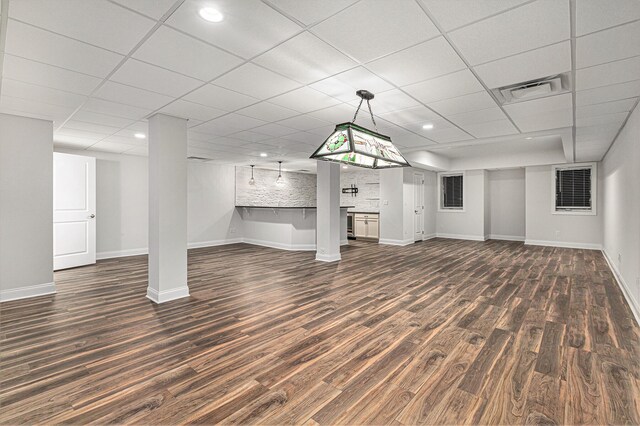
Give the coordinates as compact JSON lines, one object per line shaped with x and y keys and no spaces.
{"x":252,"y":181}
{"x":279,"y":179}
{"x":359,"y":146}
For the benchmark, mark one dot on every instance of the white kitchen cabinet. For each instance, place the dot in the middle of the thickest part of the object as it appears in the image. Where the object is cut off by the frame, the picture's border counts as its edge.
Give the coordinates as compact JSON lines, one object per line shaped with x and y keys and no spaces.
{"x":367,"y":225}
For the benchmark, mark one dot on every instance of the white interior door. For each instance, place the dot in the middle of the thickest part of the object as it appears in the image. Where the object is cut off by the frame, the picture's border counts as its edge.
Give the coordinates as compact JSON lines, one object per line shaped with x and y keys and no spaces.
{"x":74,"y":210}
{"x":418,"y":206}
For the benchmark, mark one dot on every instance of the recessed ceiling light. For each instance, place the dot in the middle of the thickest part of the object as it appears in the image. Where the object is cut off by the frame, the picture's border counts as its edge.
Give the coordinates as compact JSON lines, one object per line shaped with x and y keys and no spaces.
{"x":528,"y":138}
{"x":428,"y":126}
{"x":210,"y":14}
{"x":139,"y":135}
{"x":263,"y":154}
{"x":345,"y":167}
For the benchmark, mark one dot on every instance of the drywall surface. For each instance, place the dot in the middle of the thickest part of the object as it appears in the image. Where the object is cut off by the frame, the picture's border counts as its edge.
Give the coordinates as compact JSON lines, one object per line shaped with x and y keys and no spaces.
{"x":122,"y":211}
{"x":26,"y":207}
{"x":295,"y":189}
{"x":468,"y":223}
{"x":621,"y":208}
{"x":544,"y":227}
{"x":507,"y":204}
{"x":391,"y":206}
{"x":430,"y":203}
{"x":368,"y":183}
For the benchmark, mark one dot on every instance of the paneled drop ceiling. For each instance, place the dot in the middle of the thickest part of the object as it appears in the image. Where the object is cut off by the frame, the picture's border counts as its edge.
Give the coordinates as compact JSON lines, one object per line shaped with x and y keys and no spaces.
{"x":276,"y":75}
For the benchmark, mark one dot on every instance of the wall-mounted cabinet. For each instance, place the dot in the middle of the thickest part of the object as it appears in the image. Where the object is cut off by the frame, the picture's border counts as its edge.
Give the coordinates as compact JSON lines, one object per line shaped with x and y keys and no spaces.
{"x":367,"y":225}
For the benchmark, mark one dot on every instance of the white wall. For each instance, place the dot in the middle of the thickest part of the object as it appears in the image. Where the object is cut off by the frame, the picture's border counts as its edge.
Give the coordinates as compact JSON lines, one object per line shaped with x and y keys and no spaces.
{"x":122,"y":204}
{"x":621,"y":203}
{"x":468,"y":223}
{"x":368,"y":183}
{"x":296,"y":189}
{"x":430,"y":203}
{"x":544,"y":227}
{"x":507,"y":204}
{"x":26,"y":207}
{"x":391,"y":206}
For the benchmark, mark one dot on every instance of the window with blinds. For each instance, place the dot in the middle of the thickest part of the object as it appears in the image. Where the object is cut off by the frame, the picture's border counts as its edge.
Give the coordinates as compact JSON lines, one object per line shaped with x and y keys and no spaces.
{"x":452,"y":196}
{"x":573,"y":189}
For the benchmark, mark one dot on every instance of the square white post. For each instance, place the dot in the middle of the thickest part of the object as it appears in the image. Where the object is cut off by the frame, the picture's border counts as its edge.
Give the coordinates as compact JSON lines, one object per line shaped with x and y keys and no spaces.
{"x":328,"y":214}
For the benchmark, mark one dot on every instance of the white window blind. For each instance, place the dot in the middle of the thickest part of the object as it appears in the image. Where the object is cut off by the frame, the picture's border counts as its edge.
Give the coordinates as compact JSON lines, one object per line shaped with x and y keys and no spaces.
{"x":452,"y":192}
{"x":573,"y":189}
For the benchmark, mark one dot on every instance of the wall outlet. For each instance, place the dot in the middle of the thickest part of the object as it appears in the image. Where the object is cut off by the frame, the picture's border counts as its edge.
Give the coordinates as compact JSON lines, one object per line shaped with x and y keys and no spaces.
{"x":232,"y":230}
{"x":385,"y":202}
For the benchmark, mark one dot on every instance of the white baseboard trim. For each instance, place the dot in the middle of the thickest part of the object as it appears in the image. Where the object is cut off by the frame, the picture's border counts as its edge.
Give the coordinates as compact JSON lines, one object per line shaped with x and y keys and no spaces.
{"x":562,"y":244}
{"x":27,"y":291}
{"x":390,"y":242}
{"x":633,"y":303}
{"x":167,"y":295}
{"x":213,"y":243}
{"x":461,"y":237}
{"x":505,"y":237}
{"x":428,"y":237}
{"x":281,"y":246}
{"x":344,"y":242}
{"x":121,"y":253}
{"x":328,"y":257}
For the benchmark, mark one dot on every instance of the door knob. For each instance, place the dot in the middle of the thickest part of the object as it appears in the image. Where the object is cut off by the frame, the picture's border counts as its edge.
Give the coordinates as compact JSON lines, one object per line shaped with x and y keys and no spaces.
{"x":92,"y":216}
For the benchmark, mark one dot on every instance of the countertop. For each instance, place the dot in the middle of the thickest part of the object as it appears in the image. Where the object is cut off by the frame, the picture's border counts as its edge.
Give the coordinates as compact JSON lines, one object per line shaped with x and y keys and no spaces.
{"x":363,"y":212}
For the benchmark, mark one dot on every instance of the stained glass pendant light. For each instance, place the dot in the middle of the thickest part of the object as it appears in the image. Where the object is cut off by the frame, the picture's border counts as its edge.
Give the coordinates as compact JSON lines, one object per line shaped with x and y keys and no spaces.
{"x":356,"y":145}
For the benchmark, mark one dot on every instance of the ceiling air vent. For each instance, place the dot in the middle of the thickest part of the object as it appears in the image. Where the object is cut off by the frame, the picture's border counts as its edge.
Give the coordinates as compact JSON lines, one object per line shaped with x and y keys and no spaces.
{"x":533,"y":89}
{"x":201,"y":159}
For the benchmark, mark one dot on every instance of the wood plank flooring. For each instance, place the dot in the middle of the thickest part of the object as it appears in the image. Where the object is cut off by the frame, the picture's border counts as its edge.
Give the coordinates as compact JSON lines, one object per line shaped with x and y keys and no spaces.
{"x":439,"y":332}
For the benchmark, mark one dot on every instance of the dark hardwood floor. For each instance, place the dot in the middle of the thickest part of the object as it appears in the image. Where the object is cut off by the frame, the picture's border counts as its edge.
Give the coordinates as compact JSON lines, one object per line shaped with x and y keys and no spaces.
{"x":441,"y":332}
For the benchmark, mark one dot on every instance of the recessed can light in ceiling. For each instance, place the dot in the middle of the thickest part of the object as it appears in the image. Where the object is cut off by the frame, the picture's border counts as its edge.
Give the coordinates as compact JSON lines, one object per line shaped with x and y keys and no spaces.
{"x":210,"y":14}
{"x":139,"y":135}
{"x":428,"y":126}
{"x":528,"y":138}
{"x":263,"y":154}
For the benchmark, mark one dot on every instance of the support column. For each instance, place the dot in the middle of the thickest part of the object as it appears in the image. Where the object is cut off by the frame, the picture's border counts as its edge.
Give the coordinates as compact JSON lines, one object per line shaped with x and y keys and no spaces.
{"x":328,"y":215}
{"x":167,"y":208}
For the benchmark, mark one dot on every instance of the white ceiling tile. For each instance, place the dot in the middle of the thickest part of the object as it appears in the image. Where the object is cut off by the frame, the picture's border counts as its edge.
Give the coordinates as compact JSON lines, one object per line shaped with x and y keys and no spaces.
{"x":445,"y":87}
{"x":274,"y":130}
{"x":126,"y":138}
{"x":152,"y":8}
{"x":491,"y":128}
{"x":41,"y":74}
{"x":543,"y":62}
{"x":514,"y":31}
{"x":304,"y":100}
{"x":149,"y":77}
{"x":309,"y":12}
{"x":108,"y":146}
{"x":624,"y":105}
{"x":594,"y":15}
{"x":478,"y":116}
{"x":609,"y":45}
{"x":602,"y":120}
{"x":267,"y":111}
{"x":304,"y":122}
{"x":228,"y":124}
{"x":142,"y":151}
{"x":71,"y":142}
{"x":425,"y":61}
{"x":343,"y":86}
{"x":42,"y":46}
{"x":614,"y":92}
{"x":102,"y":119}
{"x":112,"y":108}
{"x":65,"y":131}
{"x":191,"y":110}
{"x":116,"y":92}
{"x":460,"y":104}
{"x":305,"y":58}
{"x":415,"y":114}
{"x":219,"y":97}
{"x":607,"y":74}
{"x":418,"y":127}
{"x":249,"y":26}
{"x":370,"y":29}
{"x":249,"y":136}
{"x":453,"y":14}
{"x":188,"y":56}
{"x":340,"y":113}
{"x":96,"y":22}
{"x":31,"y":92}
{"x":391,"y":100}
{"x":256,"y":81}
{"x":546,"y":120}
{"x":450,"y":134}
{"x":90,"y":127}
{"x":539,"y":106}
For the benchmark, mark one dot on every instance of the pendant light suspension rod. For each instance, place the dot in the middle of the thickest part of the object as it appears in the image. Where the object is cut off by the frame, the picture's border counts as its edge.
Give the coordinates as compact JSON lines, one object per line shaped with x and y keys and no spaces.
{"x":365,"y":95}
